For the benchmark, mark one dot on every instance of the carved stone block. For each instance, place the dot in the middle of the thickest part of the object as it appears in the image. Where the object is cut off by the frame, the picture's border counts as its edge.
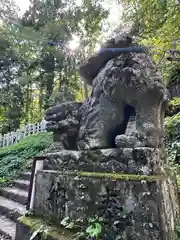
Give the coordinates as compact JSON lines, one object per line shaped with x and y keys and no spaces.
{"x":136,"y":207}
{"x":128,"y":160}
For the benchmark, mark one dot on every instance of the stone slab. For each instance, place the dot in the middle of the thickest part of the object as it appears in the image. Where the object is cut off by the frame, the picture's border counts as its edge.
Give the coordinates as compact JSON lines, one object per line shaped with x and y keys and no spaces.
{"x":15,"y":194}
{"x":127,"y":160}
{"x":137,"y":207}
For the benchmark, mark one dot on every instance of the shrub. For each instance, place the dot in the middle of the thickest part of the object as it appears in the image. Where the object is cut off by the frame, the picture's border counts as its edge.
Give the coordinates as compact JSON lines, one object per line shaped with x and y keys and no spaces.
{"x":172,"y":127}
{"x":174,"y":107}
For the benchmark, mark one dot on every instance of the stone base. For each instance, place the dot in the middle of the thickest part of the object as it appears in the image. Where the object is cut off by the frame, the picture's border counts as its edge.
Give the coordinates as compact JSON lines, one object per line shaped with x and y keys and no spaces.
{"x":137,"y":207}
{"x":143,"y":160}
{"x":26,"y":226}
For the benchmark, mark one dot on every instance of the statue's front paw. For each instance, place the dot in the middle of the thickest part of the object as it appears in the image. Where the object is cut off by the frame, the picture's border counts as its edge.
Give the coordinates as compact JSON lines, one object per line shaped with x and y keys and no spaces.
{"x":51,"y":126}
{"x":69,"y":126}
{"x":125,"y":141}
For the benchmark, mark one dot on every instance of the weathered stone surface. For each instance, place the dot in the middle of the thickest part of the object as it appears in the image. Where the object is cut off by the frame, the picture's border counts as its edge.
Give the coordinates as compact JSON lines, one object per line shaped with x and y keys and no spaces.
{"x":61,"y":111}
{"x":64,"y":121}
{"x":138,"y":161}
{"x":94,"y":64}
{"x":131,"y":207}
{"x":101,"y":121}
{"x":129,"y":79}
{"x":123,"y":85}
{"x":131,"y":126}
{"x":127,"y":141}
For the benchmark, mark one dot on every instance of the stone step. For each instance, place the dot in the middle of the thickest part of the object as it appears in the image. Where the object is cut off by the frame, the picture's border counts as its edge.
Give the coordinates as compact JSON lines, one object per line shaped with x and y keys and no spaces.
{"x":26,"y":176}
{"x":7,"y":227}
{"x":22,"y":184}
{"x":14,"y":194}
{"x":11,"y":209}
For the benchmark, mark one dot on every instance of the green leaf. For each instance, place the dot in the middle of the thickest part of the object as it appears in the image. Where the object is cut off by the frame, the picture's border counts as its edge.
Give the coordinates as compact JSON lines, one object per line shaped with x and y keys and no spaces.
{"x":25,"y":80}
{"x":70,"y":225}
{"x":178,"y":228}
{"x":100,"y":219}
{"x":119,"y":237}
{"x":64,"y":222}
{"x":91,"y":220}
{"x":94,"y":230}
{"x":162,"y":2}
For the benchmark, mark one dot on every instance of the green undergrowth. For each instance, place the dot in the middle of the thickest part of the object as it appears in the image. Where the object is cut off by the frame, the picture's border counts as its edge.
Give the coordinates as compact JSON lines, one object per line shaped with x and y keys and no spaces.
{"x":17,"y":158}
{"x":174,"y":107}
{"x":172,"y":127}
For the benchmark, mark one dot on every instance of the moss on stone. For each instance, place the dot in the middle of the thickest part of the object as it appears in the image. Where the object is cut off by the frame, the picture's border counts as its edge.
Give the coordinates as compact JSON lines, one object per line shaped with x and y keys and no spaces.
{"x":31,"y":222}
{"x":34,"y":224}
{"x":118,"y":176}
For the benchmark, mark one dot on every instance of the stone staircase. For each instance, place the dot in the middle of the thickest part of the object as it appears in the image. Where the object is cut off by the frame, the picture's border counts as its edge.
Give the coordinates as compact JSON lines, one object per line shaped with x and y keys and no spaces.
{"x":13,"y":200}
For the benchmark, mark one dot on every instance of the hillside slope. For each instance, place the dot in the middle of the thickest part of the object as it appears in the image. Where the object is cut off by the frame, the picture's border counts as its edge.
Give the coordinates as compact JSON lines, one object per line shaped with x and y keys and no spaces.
{"x":16,"y":158}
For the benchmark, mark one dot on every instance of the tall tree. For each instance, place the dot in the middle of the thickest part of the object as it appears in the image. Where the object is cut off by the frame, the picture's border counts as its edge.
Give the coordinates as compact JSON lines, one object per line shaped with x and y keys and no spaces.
{"x":42,"y":65}
{"x":11,"y":93}
{"x":8,"y":10}
{"x":157,"y":23}
{"x":58,"y":21}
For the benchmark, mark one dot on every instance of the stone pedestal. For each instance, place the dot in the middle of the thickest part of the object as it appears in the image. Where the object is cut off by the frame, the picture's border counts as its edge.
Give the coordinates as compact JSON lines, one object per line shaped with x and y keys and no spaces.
{"x":146,"y":161}
{"x":128,"y":189}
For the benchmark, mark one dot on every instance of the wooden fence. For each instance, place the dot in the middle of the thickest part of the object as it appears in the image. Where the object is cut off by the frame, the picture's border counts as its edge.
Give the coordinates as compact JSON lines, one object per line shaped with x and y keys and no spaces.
{"x":29,"y":129}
